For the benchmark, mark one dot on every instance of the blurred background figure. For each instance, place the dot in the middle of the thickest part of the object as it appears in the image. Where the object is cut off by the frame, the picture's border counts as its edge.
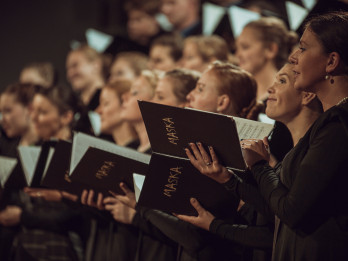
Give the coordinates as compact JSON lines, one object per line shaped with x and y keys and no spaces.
{"x":109,"y":110}
{"x":127,"y":66}
{"x":142,"y":27}
{"x":183,"y":15}
{"x":87,"y":71}
{"x":174,"y":86}
{"x":143,"y":88}
{"x":263,"y":48}
{"x":17,"y":127}
{"x":200,"y":51}
{"x":165,"y":52}
{"x":53,"y":112}
{"x":40,"y":73}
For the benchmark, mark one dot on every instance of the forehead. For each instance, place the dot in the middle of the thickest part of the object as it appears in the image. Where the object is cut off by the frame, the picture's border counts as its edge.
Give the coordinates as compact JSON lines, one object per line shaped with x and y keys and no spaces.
{"x":160,"y":50}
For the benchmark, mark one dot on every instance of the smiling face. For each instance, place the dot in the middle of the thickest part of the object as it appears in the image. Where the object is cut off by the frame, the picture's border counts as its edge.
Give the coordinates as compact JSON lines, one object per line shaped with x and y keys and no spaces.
{"x":205,"y":96}
{"x":15,"y":116}
{"x":284,"y":101}
{"x":251,"y":52}
{"x":141,"y":89}
{"x":309,"y":63}
{"x":164,"y":93}
{"x":46,"y":118}
{"x":109,"y":110}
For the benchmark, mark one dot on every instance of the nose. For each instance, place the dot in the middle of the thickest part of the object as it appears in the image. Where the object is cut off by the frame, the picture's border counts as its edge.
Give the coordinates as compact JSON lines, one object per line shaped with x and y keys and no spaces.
{"x":271,"y":89}
{"x":293,"y":57}
{"x":189,"y":96}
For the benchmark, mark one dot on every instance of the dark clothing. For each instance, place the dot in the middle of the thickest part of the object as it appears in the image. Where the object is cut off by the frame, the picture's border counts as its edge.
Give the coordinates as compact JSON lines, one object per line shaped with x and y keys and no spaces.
{"x":8,"y":146}
{"x":83,"y":124}
{"x":194,"y":243}
{"x":310,"y":196}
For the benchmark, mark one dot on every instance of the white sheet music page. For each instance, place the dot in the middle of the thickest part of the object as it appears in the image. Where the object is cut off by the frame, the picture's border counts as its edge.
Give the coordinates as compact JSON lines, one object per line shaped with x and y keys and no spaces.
{"x":6,"y":167}
{"x":248,"y":129}
{"x":29,"y":155}
{"x":81,"y":143}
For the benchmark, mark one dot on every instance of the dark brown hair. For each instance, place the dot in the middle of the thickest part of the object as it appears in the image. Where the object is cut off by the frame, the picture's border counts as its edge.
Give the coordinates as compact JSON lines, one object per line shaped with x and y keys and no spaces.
{"x":332,"y":31}
{"x":23,"y":92}
{"x":184,"y":81}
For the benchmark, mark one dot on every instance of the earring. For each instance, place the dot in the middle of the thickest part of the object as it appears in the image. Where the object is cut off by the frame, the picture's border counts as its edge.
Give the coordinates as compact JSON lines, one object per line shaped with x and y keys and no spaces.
{"x":328,"y":76}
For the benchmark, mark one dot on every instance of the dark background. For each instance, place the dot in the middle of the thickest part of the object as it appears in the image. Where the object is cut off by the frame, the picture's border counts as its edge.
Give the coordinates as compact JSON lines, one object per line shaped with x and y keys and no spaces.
{"x":42,"y":30}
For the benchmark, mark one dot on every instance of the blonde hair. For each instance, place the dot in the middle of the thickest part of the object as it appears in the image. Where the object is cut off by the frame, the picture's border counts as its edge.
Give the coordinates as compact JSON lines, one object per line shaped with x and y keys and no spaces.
{"x":93,"y":55}
{"x":152,"y":77}
{"x":210,"y":47}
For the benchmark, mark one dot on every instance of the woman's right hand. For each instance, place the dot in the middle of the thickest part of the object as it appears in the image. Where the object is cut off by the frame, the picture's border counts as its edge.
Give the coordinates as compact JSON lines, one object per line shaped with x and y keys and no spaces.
{"x":207,"y":164}
{"x":87,"y":199}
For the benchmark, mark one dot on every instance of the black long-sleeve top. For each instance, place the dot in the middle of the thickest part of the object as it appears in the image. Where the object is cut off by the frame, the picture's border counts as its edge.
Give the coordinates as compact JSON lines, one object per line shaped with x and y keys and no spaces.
{"x":310,"y":195}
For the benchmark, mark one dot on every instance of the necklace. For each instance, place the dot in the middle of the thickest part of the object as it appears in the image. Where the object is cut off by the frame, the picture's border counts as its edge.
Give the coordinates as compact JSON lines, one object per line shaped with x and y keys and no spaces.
{"x":344,"y":100}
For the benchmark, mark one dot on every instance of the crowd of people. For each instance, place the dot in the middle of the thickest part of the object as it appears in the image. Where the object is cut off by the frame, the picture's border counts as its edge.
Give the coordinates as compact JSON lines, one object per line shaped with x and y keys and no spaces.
{"x":290,"y":203}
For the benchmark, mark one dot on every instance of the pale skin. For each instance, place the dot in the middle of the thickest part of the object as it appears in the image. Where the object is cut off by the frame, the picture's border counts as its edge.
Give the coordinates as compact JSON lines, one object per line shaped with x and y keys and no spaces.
{"x":122,"y":207}
{"x":296,"y":114}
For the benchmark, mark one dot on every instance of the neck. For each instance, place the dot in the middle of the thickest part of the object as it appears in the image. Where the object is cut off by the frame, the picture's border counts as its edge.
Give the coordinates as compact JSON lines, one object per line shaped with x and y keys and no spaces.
{"x":331,"y":94}
{"x":265,"y":78}
{"x":193,"y":18}
{"x":142,"y":134}
{"x":124,"y":134}
{"x":29,"y":137}
{"x":88,"y":92}
{"x":64,"y":133}
{"x":301,"y":124}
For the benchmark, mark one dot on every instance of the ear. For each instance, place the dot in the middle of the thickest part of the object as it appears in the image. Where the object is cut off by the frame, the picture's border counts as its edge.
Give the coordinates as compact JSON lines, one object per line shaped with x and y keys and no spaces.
{"x":223,"y":103}
{"x":307,"y":97}
{"x":67,"y":118}
{"x":333,"y":62}
{"x":272,"y":50}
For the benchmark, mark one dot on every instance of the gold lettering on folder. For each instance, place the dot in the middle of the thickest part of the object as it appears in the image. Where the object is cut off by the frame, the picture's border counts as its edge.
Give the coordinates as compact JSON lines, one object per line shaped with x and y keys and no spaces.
{"x":173,"y":181}
{"x":104,"y":169}
{"x":171,"y":132}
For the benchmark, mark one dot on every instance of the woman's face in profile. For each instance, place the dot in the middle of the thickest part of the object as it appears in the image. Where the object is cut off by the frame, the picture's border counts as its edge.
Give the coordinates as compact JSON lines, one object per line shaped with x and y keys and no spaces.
{"x":109,"y":110}
{"x":205,"y":95}
{"x":284,"y":101}
{"x":309,"y":62}
{"x":46,"y":117}
{"x":140,"y":90}
{"x":15,"y":116}
{"x":164,"y":93}
{"x":250,"y":51}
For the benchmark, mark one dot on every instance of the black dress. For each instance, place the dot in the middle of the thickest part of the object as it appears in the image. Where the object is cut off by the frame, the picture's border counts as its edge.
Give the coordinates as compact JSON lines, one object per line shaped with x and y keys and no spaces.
{"x":310,"y":197}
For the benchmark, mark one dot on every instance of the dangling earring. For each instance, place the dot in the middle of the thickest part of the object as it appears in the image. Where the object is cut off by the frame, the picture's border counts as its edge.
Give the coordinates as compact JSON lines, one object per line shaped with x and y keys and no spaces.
{"x":328,"y":76}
